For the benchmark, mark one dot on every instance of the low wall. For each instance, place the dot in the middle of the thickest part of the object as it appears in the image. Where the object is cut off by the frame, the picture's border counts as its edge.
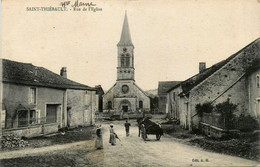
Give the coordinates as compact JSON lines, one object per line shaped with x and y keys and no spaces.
{"x":50,"y":128}
{"x":32,"y":131}
{"x":211,"y":131}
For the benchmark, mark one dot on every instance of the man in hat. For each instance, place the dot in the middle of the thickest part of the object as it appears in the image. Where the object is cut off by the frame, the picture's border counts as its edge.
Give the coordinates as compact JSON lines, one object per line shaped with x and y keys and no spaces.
{"x":112,"y":138}
{"x":127,"y":127}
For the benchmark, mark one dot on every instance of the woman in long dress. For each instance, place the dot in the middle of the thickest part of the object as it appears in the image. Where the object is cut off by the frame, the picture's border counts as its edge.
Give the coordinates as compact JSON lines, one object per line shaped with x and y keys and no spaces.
{"x":99,"y":139}
{"x":112,"y":139}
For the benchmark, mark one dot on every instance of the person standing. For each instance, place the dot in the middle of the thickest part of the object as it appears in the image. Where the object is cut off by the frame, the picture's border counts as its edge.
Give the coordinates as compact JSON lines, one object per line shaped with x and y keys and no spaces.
{"x":112,"y":139}
{"x":127,"y":127}
{"x":99,"y":139}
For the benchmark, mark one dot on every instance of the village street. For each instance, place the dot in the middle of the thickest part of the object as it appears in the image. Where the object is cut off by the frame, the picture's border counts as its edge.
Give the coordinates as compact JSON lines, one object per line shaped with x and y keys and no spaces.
{"x":131,"y":151}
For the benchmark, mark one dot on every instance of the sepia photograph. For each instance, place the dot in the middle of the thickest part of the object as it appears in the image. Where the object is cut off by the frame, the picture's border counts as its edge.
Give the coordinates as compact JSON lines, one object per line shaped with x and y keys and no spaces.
{"x":130,"y":83}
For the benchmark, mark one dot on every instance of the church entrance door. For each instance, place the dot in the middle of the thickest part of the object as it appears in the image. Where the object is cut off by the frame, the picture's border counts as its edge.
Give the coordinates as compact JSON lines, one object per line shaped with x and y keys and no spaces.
{"x":125,"y":108}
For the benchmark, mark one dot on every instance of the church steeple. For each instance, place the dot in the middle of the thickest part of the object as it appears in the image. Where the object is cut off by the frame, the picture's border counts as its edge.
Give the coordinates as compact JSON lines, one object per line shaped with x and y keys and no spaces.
{"x":125,"y":65}
{"x":125,"y":39}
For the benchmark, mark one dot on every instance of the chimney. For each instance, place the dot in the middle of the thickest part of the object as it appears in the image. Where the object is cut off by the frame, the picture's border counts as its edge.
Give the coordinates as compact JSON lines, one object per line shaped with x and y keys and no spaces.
{"x":63,"y":72}
{"x":202,"y":66}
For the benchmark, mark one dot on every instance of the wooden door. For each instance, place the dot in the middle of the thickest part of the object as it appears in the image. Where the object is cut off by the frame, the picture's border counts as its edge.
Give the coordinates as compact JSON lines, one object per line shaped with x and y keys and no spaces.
{"x":51,"y":113}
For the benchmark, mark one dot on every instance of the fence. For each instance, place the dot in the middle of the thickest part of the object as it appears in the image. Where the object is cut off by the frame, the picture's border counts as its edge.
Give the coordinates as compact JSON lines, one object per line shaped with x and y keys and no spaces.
{"x":243,"y":123}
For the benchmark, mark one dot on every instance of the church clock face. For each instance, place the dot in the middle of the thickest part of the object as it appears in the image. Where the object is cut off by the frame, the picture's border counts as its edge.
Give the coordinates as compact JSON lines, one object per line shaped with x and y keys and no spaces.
{"x":125,"y":88}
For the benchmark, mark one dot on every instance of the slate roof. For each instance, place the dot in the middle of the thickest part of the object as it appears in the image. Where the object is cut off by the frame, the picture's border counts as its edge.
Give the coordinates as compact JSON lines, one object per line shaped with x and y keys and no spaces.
{"x":125,"y":39}
{"x":190,"y":83}
{"x":164,"y":86}
{"x":28,"y":74}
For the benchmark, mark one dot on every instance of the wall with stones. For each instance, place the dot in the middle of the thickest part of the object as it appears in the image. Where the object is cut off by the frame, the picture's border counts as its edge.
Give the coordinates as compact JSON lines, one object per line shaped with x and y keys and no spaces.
{"x":254,"y":94}
{"x":173,"y":103}
{"x":162,"y":103}
{"x":82,"y":105}
{"x":222,"y":81}
{"x":178,"y":107}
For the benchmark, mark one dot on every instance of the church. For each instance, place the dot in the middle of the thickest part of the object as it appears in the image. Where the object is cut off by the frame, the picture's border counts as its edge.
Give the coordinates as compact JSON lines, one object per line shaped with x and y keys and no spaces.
{"x":125,"y":95}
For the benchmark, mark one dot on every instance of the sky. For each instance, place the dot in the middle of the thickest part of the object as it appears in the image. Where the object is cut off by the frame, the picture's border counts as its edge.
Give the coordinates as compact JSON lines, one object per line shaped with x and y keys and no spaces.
{"x":170,"y":37}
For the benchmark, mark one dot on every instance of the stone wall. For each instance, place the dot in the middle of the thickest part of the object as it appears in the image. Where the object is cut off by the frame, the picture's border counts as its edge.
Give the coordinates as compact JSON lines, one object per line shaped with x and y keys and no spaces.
{"x":173,"y":102}
{"x":254,"y":94}
{"x":82,"y":106}
{"x":227,"y":82}
{"x":162,"y":103}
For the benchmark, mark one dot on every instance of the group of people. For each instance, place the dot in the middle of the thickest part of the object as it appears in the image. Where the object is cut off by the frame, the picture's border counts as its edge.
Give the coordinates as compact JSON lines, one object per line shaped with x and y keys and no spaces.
{"x":113,"y":135}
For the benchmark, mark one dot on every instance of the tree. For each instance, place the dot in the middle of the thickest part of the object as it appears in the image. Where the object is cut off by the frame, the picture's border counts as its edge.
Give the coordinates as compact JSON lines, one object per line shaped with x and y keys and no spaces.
{"x":226,"y":109}
{"x":206,"y":107}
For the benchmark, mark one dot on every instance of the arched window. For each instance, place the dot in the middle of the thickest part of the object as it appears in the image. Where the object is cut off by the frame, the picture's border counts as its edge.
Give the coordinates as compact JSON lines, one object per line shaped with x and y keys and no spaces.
{"x":140,"y":104}
{"x":109,"y":105}
{"x":122,"y":60}
{"x":127,"y":61}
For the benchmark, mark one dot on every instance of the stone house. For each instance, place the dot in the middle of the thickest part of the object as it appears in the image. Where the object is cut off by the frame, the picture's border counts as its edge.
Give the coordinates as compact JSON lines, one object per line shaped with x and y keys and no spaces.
{"x":100,"y":93}
{"x":236,"y":79}
{"x":163,"y":87}
{"x":36,"y":101}
{"x":125,"y":96}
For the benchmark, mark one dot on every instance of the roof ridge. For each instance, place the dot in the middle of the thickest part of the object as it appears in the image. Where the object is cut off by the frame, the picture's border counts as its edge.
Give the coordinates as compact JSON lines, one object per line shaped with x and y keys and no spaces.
{"x":29,"y":74}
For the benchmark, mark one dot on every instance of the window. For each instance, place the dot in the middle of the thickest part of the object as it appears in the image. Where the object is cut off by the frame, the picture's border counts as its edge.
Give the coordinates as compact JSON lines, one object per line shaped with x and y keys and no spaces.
{"x":109,"y":105}
{"x":257,"y":81}
{"x":25,"y":119}
{"x":22,"y":118}
{"x":32,"y":117}
{"x":127,"y":61}
{"x":122,"y":61}
{"x":33,"y":95}
{"x":140,"y":104}
{"x":174,"y":96}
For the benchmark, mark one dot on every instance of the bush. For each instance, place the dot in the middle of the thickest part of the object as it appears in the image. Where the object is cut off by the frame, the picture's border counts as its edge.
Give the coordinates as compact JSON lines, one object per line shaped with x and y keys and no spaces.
{"x":204,"y":108}
{"x":247,"y":123}
{"x":226,"y":109}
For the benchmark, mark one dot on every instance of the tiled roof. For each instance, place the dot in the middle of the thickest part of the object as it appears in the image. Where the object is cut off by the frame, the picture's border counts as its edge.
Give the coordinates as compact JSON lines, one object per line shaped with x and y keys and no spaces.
{"x":28,"y":74}
{"x":164,"y":86}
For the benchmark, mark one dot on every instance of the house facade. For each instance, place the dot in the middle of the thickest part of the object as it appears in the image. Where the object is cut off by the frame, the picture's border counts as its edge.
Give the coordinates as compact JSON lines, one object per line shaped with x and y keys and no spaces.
{"x":125,"y":96}
{"x":35,"y":101}
{"x":163,"y":87}
{"x":231,"y":79}
{"x":100,"y":93}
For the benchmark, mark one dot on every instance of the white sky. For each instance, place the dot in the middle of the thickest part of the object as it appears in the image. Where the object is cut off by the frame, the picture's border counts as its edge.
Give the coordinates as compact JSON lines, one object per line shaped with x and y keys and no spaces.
{"x":170,"y":37}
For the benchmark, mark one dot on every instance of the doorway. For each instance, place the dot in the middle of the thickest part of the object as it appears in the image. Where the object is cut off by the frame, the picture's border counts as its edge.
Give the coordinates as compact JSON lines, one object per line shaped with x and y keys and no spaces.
{"x":125,"y":108}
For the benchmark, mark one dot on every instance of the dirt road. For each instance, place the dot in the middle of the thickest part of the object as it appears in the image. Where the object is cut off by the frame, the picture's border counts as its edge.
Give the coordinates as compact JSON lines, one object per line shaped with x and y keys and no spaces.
{"x":132,"y":151}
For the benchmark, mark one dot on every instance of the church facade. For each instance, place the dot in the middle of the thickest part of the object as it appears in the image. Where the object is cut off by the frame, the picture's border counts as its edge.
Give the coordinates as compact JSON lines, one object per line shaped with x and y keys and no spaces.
{"x":125,"y":95}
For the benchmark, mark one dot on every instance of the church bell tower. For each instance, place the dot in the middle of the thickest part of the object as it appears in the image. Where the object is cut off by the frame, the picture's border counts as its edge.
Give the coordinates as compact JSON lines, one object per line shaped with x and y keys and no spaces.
{"x":125,"y":64}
